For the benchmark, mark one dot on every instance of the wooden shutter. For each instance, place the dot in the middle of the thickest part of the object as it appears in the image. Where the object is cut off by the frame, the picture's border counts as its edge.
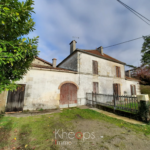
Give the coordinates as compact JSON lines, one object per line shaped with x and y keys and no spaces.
{"x":131,"y":90}
{"x":119,"y":70}
{"x":95,"y":67}
{"x":134,"y":90}
{"x":115,"y":88}
{"x":119,"y":89}
{"x":116,"y":71}
{"x":95,"y":87}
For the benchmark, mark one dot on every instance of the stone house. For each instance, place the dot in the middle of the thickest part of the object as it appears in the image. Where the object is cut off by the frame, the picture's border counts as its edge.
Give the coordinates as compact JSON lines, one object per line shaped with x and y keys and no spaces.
{"x":50,"y":86}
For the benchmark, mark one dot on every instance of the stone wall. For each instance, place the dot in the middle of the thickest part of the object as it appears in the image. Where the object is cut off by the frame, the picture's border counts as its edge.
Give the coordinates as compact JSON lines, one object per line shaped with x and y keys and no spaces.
{"x":42,"y":88}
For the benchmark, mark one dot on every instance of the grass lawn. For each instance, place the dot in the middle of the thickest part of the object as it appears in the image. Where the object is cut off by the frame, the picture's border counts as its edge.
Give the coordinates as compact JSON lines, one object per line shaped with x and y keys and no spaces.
{"x":38,"y":132}
{"x":127,"y":107}
{"x":145,"y":89}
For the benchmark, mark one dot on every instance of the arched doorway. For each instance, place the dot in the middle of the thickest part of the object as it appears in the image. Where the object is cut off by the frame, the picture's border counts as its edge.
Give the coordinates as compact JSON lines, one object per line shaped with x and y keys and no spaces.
{"x":68,"y":95}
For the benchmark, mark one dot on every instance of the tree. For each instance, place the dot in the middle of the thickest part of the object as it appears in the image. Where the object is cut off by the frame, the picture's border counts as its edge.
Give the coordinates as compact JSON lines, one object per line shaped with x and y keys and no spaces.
{"x":143,"y":74}
{"x":146,"y":51}
{"x":16,"y":51}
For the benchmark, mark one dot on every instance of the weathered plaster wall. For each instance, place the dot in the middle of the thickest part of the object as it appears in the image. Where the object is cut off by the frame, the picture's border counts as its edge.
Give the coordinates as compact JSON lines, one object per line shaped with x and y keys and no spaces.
{"x":70,"y":63}
{"x":128,"y":83}
{"x":3,"y":97}
{"x":42,"y":85}
{"x":105,"y":85}
{"x":38,"y":62}
{"x":42,"y":88}
{"x":105,"y":68}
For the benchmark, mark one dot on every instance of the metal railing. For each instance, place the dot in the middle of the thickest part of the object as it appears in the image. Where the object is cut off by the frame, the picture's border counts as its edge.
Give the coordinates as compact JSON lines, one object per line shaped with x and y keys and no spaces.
{"x":126,"y":102}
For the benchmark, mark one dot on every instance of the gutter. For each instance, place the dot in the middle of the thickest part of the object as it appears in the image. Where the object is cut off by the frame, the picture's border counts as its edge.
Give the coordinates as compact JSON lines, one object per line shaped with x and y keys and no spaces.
{"x":36,"y":68}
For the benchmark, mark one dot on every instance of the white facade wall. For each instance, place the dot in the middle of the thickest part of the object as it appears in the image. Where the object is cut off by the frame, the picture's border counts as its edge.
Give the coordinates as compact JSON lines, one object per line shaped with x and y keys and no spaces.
{"x":132,"y":82}
{"x":105,"y":67}
{"x":42,"y":85}
{"x":70,"y":63}
{"x":106,"y":84}
{"x":42,"y":88}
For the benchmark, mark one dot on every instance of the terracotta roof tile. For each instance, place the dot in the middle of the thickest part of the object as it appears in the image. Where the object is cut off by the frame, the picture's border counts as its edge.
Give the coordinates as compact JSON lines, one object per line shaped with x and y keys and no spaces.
{"x":129,"y":78}
{"x":44,"y":61}
{"x":96,"y":52}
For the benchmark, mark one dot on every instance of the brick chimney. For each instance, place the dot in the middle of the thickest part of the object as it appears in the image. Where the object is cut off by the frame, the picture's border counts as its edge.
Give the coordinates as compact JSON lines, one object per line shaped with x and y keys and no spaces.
{"x":54,"y":62}
{"x":128,"y":73}
{"x":72,"y":46}
{"x":100,"y":49}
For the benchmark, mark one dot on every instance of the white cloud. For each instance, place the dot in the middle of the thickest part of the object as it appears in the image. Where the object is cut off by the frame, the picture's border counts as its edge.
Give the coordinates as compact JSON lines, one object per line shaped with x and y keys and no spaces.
{"x":96,"y":22}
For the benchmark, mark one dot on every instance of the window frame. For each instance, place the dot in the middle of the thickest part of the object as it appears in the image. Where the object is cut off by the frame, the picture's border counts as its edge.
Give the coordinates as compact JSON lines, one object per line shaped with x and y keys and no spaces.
{"x":118,"y":72}
{"x":95,"y":67}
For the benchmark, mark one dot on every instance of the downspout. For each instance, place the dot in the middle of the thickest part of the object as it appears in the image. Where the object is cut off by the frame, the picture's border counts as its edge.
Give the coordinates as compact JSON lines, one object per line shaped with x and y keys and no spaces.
{"x":79,"y":70}
{"x":79,"y":66}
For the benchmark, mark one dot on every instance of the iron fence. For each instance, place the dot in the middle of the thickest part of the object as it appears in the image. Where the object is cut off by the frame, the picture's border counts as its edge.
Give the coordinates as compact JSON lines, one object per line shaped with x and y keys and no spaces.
{"x":127,"y":103}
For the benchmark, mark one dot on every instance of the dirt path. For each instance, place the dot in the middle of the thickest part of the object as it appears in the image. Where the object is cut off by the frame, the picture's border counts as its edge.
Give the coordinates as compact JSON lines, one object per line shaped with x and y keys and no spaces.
{"x":100,"y":135}
{"x":133,"y":121}
{"x":71,"y":129}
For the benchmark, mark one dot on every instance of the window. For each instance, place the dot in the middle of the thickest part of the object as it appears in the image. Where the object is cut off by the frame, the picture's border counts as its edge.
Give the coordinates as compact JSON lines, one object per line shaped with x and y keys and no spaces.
{"x":95,"y":87}
{"x":116,"y":89}
{"x":133,"y":89}
{"x":118,"y":71}
{"x":95,"y":67}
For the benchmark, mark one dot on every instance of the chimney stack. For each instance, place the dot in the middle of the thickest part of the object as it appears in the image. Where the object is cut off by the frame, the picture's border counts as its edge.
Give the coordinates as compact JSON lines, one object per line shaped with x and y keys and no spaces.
{"x":54,"y":62}
{"x":100,"y":49}
{"x":72,"y":46}
{"x":128,"y":73}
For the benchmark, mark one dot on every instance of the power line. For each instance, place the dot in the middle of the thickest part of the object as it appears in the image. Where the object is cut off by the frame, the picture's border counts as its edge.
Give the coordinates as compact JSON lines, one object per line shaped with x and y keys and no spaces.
{"x":124,"y":42}
{"x":135,"y":12}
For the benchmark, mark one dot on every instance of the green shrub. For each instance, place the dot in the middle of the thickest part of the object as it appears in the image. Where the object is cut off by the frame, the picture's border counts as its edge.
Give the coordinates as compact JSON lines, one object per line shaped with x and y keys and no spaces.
{"x":145,"y":89}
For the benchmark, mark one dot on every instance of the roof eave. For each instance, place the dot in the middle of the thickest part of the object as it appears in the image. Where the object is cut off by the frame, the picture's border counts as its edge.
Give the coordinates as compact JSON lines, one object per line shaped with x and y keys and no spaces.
{"x":101,"y":57}
{"x":80,"y":50}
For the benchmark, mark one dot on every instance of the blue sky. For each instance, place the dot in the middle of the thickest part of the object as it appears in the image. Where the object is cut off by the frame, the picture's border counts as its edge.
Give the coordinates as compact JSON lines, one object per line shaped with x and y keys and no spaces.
{"x":95,"y":22}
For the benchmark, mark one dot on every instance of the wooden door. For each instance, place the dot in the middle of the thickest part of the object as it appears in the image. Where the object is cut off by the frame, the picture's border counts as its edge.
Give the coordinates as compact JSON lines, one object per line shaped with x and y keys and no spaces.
{"x":95,"y":87}
{"x":15,"y":99}
{"x":116,"y":89}
{"x":68,"y":95}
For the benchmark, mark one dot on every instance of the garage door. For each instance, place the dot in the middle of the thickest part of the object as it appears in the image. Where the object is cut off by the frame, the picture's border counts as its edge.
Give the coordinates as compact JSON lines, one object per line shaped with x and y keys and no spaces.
{"x":68,"y":95}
